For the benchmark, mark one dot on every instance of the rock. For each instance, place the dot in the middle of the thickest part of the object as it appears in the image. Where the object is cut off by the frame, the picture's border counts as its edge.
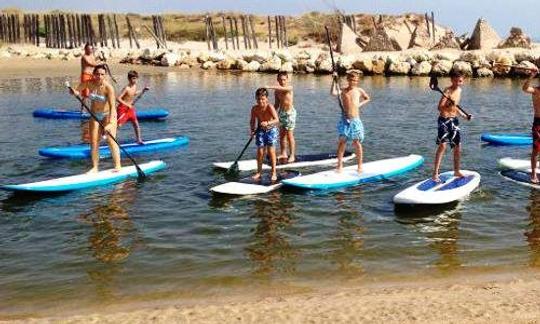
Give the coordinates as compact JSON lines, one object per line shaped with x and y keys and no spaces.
{"x":524,"y":56}
{"x":184,"y":66}
{"x":216,"y":57}
{"x":303,"y":55}
{"x":522,"y":72}
{"x":241,"y":65}
{"x":472,"y":56}
{"x":422,"y":56}
{"x":208,"y":65}
{"x":399,"y":68}
{"x":299,"y":65}
{"x":323,"y":63}
{"x":253,"y":66}
{"x":463,"y":67}
{"x":448,"y":55}
{"x":189,"y":60}
{"x":484,"y":72}
{"x":226,"y":64}
{"x":310,"y":69}
{"x":203,"y":57}
{"x":345,"y":62}
{"x":148,"y":54}
{"x":4,"y":54}
{"x":272,"y":65}
{"x":421,"y":68}
{"x":442,"y":67}
{"x":258,"y":56}
{"x":516,"y":39}
{"x":365,"y":65}
{"x":284,"y":56}
{"x":169,"y":59}
{"x":379,"y":66}
{"x":287,"y":67}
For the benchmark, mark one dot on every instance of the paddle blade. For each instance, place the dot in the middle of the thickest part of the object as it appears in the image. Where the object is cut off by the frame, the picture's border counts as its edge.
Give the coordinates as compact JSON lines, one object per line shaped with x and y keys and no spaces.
{"x":233,"y":169}
{"x":140,"y":174}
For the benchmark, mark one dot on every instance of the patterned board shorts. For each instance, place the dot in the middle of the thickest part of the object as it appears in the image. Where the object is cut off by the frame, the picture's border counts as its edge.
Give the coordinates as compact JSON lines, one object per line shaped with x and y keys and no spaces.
{"x":352,"y":130}
{"x":448,"y":131}
{"x":287,"y":119}
{"x":266,"y":137}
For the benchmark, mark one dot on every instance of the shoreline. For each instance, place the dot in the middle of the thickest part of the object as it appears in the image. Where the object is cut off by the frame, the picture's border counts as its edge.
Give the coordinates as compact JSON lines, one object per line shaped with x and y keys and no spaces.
{"x":484,"y":297}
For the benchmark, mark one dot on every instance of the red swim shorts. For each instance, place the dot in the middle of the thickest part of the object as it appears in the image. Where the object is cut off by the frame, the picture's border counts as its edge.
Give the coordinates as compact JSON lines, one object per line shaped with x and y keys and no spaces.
{"x":86,"y":77}
{"x":126,"y":114}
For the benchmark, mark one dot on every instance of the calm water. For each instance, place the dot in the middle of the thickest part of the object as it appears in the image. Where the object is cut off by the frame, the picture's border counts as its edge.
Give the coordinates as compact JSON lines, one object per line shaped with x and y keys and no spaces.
{"x":170,"y":238}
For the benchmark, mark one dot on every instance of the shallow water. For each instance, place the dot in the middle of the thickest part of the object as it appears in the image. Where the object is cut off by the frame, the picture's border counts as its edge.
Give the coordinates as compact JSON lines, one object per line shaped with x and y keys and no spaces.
{"x":170,"y":238}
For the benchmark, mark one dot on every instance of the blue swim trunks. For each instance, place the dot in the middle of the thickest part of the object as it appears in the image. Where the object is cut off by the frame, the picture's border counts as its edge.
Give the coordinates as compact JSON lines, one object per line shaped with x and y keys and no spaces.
{"x":266,"y":137}
{"x":352,"y":129}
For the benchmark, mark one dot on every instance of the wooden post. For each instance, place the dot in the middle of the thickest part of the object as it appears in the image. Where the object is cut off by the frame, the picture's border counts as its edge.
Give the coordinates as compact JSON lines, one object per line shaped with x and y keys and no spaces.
{"x":433,"y":25}
{"x":253,"y":35}
{"x":213,"y":32}
{"x":111,"y":31}
{"x":285,"y":36}
{"x":247,"y":43}
{"x":116,"y":31}
{"x":132,"y":31}
{"x":278,"y":34}
{"x":427,"y":24}
{"x":236,"y":33}
{"x":207,"y":30}
{"x":225,"y":32}
{"x":269,"y":32}
{"x":354,"y":23}
{"x":232,"y":32}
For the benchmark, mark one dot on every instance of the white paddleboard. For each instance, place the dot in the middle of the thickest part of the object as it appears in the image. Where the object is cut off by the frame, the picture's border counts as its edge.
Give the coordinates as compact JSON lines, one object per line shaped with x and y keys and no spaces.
{"x":429,"y":192}
{"x":516,"y":164}
{"x":86,"y":180}
{"x":349,"y":176}
{"x":519,"y":176}
{"x":302,"y":161}
{"x":248,"y":186}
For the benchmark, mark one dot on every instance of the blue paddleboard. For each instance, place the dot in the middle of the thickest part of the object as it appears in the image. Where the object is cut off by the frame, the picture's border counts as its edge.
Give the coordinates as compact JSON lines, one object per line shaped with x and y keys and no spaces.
{"x":372,"y":171}
{"x":519,"y":176}
{"x":507,"y":138}
{"x":86,"y":180}
{"x":50,"y":113}
{"x":82,"y":151}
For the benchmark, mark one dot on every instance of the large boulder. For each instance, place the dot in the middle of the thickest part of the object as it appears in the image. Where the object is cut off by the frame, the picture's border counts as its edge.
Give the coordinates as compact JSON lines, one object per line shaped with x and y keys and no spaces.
{"x":399,"y":68}
{"x":463,"y":67}
{"x":258,"y":56}
{"x":252,"y":66}
{"x":526,"y":65}
{"x":364,"y":64}
{"x":345,"y":62}
{"x":284,"y":56}
{"x":189,"y":60}
{"x":208,"y":65}
{"x":421,"y":68}
{"x":448,"y":55}
{"x":525,"y":55}
{"x":379,"y":66}
{"x":169,"y":59}
{"x":226,"y":64}
{"x":517,"y":38}
{"x":216,"y":57}
{"x":442,"y":67}
{"x":272,"y":65}
{"x":203,"y":57}
{"x":323,"y":64}
{"x":149,"y":54}
{"x":484,"y":72}
{"x":287,"y":67}
{"x":241,"y":65}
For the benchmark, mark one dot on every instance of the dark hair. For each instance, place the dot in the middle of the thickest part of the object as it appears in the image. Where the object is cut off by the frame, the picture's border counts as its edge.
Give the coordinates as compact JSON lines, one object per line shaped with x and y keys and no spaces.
{"x":133,"y":74}
{"x":87,"y":45}
{"x":282,"y":73}
{"x":100,"y":66}
{"x":261,"y":92}
{"x":456,"y":74}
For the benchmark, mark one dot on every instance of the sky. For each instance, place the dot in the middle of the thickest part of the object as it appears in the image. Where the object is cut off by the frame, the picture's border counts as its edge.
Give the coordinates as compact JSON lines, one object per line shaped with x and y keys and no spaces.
{"x":460,"y":15}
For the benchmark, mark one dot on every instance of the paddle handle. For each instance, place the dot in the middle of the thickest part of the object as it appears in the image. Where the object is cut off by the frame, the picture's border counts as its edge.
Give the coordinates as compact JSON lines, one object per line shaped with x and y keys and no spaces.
{"x":336,"y":80}
{"x":140,"y":173}
{"x":469,"y":116}
{"x":244,"y":149}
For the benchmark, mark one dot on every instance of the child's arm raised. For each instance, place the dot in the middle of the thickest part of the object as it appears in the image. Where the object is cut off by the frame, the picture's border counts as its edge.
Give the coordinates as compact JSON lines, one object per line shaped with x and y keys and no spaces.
{"x":280,"y":88}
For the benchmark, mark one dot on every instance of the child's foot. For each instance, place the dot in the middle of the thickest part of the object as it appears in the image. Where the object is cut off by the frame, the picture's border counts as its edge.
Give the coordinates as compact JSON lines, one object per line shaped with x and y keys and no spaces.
{"x":93,"y":170}
{"x":534,"y":179}
{"x":436,"y":178}
{"x":116,"y":169}
{"x":274,"y":177}
{"x":359,"y":170}
{"x":291,"y":159}
{"x":458,"y":174}
{"x":282,"y":157}
{"x":339,"y":169}
{"x":256,"y":176}
{"x":140,"y":142}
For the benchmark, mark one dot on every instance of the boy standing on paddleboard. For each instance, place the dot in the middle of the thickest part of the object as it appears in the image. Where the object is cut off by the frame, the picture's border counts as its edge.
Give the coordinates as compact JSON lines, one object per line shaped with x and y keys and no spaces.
{"x":263,"y":126}
{"x":448,"y":131}
{"x":287,"y":116}
{"x":102,"y":98}
{"x":350,"y":127}
{"x":535,"y":92}
{"x":126,"y":110}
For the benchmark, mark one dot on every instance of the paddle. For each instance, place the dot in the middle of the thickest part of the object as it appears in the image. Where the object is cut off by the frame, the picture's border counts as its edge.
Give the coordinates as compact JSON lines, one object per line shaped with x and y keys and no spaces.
{"x":104,"y":59}
{"x":140,"y":173}
{"x":434,"y":85}
{"x":336,"y":79}
{"x":233,"y":169}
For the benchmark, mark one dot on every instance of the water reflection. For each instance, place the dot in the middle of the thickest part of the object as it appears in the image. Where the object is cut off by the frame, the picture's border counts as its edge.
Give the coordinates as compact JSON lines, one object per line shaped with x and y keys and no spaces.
{"x":270,"y":250}
{"x":441,"y":230}
{"x":532,"y":234}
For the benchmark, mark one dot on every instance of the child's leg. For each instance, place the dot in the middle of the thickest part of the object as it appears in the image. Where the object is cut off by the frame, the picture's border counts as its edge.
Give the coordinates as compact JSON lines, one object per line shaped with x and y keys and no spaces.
{"x":438,"y":158}
{"x":342,"y":142}
{"x":534,"y":159}
{"x":457,"y":161}
{"x":359,"y":153}
{"x":292,"y":145}
{"x":137,"y":130}
{"x":272,"y":155}
{"x":260,"y":157}
{"x":282,"y":143}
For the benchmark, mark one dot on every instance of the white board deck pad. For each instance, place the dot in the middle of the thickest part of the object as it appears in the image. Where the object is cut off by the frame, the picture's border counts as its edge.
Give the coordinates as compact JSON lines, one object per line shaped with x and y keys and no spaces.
{"x":249,"y":186}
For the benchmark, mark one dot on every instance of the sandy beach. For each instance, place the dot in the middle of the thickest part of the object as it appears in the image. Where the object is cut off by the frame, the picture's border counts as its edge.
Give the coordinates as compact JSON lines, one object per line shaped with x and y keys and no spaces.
{"x":471,"y":298}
